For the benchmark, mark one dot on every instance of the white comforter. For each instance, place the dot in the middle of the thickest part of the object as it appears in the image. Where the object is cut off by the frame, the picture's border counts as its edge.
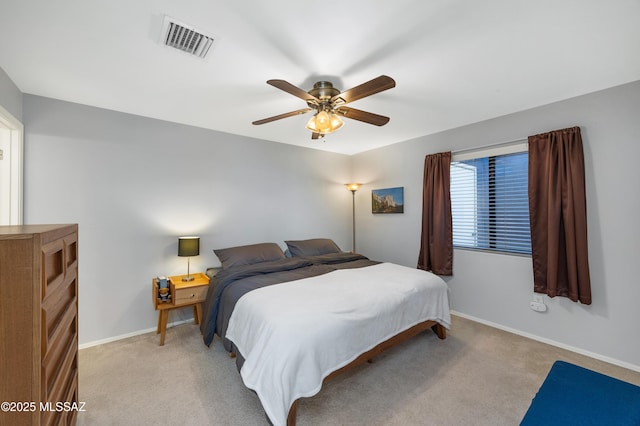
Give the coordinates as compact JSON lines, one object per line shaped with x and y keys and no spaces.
{"x":293,"y":335}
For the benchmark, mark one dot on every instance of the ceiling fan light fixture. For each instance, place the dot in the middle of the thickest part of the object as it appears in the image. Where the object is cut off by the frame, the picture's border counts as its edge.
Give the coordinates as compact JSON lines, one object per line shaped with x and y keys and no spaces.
{"x":329,"y":103}
{"x":324,"y":122}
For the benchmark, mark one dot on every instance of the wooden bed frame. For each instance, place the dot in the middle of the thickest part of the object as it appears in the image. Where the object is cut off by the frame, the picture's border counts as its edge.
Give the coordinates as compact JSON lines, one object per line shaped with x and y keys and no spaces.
{"x":440,"y":331}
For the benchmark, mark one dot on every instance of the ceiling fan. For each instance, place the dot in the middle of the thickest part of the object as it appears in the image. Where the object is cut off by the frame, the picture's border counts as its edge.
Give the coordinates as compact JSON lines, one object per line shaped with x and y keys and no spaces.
{"x":329,"y":104}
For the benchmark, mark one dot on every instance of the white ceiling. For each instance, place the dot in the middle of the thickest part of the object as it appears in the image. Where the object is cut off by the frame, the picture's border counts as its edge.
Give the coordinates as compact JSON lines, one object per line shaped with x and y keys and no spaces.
{"x":455,"y":62}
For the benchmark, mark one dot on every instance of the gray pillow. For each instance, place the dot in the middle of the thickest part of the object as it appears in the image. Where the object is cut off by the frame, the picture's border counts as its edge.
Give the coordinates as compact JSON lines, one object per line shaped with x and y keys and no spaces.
{"x":249,"y":254}
{"x":312,"y":247}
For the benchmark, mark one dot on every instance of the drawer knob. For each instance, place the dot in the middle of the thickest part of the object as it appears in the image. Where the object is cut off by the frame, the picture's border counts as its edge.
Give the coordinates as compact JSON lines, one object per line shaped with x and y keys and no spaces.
{"x":193,"y":295}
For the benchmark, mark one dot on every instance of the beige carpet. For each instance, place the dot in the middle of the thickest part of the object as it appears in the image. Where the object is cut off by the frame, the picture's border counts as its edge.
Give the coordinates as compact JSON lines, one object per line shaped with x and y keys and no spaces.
{"x":477,"y":376}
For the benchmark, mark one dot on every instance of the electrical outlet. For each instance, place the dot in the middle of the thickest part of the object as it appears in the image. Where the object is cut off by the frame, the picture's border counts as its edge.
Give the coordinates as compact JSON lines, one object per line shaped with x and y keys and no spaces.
{"x":538,"y":303}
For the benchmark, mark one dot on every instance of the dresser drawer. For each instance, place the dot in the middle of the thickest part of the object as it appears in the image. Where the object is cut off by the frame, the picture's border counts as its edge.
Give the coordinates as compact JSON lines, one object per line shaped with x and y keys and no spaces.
{"x":186,"y":296}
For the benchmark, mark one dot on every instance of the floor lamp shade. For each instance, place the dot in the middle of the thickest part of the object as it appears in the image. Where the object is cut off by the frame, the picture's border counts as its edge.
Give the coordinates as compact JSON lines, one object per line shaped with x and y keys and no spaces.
{"x":188,"y":246}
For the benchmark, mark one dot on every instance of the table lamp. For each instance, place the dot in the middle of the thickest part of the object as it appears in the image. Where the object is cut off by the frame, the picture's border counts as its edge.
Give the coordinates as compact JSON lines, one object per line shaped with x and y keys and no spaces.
{"x":187,"y":247}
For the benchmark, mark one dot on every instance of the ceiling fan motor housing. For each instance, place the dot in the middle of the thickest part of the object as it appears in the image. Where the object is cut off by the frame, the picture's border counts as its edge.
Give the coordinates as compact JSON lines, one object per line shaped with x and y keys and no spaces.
{"x":324,"y":90}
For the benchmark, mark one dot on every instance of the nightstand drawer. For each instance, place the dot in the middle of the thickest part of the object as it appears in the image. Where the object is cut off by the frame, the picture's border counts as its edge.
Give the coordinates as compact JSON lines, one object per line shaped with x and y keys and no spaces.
{"x":190,"y":295}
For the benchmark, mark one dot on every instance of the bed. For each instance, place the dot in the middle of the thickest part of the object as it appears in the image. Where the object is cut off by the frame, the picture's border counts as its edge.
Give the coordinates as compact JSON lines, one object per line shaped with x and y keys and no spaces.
{"x":298,"y":318}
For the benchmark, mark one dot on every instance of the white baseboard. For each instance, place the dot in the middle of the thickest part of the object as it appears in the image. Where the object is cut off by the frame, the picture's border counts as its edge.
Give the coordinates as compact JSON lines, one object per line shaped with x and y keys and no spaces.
{"x":551,"y":342}
{"x":124,"y":336}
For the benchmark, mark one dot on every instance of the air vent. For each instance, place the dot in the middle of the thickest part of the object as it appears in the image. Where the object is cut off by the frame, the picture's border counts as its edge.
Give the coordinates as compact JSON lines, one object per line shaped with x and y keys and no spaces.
{"x":185,"y":38}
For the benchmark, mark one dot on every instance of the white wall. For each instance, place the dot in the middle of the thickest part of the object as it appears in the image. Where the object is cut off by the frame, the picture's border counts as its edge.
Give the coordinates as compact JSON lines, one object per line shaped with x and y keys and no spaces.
{"x":497,"y":288}
{"x":10,"y":96}
{"x":134,"y":185}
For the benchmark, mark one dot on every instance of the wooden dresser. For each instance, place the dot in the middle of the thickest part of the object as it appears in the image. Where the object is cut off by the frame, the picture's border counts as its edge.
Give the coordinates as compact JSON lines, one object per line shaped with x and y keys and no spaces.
{"x":39,"y":324}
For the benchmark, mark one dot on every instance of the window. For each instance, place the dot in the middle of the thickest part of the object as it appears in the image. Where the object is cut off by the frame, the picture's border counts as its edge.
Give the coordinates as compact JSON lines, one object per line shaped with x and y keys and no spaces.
{"x":490,"y":204}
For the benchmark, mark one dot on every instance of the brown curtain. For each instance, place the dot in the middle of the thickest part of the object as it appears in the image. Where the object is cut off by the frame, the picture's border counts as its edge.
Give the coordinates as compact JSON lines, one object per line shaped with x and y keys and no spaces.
{"x":558,"y":214}
{"x":436,"y":242}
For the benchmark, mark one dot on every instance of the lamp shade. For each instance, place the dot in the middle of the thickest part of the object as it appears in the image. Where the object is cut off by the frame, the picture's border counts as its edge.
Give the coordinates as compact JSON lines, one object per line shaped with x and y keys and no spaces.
{"x":353,"y":187}
{"x":188,"y":246}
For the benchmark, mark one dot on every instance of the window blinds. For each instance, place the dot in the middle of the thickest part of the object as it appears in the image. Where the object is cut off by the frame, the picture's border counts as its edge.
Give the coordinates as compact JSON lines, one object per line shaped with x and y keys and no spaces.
{"x":489,"y":203}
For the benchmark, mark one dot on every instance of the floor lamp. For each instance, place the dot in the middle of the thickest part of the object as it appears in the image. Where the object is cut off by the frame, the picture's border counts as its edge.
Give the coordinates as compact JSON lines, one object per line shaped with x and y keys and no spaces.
{"x":353,"y":187}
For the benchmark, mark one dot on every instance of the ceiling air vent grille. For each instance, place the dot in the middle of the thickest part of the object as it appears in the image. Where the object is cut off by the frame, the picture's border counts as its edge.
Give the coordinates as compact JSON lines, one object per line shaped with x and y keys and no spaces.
{"x":185,"y":38}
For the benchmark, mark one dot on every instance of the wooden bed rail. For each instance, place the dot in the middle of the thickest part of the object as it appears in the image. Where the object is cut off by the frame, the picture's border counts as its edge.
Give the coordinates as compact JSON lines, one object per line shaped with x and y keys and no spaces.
{"x":437,"y":328}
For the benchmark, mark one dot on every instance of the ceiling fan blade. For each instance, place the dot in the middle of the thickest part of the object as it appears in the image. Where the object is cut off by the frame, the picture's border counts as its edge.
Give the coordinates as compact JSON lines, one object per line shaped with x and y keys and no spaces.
{"x":369,"y":88}
{"x":365,"y":117}
{"x":295,"y":91}
{"x":278,"y":117}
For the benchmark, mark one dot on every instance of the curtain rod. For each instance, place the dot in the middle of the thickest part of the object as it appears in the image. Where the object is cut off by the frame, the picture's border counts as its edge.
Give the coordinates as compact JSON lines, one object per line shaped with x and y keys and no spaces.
{"x":493,"y":145}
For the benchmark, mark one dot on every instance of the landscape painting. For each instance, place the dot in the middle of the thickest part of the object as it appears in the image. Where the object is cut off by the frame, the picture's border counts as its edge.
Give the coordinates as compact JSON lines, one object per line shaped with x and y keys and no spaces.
{"x":388,"y":200}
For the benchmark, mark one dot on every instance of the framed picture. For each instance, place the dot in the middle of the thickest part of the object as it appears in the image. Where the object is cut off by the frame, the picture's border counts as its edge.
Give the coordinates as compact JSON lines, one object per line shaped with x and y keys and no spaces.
{"x":388,"y":200}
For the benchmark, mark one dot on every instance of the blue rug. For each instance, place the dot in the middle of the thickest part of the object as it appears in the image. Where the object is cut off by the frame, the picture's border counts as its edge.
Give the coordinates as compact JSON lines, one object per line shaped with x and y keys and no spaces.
{"x":572,"y":395}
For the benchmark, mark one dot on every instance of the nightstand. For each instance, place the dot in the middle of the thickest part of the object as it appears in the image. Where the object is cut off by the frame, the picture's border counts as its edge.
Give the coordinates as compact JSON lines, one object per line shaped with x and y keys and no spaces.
{"x":183,"y":293}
